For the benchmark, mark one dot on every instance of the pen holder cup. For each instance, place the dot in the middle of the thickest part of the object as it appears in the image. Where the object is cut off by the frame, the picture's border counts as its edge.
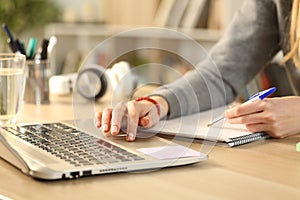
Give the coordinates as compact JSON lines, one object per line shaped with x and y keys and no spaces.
{"x":37,"y":81}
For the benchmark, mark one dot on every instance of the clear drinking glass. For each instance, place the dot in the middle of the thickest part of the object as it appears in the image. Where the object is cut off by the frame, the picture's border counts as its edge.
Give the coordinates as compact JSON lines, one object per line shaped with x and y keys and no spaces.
{"x":12,"y":84}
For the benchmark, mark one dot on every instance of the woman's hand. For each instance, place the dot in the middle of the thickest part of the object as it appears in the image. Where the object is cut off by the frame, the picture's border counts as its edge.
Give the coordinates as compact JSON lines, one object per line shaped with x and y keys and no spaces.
{"x":143,"y":113}
{"x":279,"y":117}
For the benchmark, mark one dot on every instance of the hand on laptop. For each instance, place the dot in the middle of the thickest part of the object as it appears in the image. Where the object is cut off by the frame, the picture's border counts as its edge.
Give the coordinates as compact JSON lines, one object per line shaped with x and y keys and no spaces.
{"x":145,"y":112}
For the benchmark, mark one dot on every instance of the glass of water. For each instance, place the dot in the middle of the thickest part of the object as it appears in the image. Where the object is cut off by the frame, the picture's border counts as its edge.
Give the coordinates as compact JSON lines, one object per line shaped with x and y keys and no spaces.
{"x":12,"y":84}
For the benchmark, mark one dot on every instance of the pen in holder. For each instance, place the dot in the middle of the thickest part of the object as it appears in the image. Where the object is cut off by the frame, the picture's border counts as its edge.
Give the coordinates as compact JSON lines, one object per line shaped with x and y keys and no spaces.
{"x":37,"y":81}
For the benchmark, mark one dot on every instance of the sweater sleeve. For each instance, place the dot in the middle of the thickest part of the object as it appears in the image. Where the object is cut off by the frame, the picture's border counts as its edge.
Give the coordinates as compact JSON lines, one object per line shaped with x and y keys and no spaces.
{"x":251,"y":40}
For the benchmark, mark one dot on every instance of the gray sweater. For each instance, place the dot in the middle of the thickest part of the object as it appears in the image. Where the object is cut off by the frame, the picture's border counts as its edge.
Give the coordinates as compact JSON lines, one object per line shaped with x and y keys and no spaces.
{"x":259,"y":30}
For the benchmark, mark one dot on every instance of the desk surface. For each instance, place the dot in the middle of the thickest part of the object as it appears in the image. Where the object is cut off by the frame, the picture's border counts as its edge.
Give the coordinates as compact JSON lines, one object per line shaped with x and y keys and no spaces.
{"x":261,"y":170}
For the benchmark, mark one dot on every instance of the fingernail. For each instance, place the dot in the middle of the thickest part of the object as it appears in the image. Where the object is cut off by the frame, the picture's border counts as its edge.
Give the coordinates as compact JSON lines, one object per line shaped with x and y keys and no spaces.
{"x":114,"y":129}
{"x":98,"y":124}
{"x":131,"y":136}
{"x":145,"y":122}
{"x":105,"y":127}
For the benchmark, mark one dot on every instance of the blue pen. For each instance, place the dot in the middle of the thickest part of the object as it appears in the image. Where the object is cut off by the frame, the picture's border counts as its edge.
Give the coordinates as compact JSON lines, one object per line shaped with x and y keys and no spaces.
{"x":7,"y":31}
{"x":259,"y":96}
{"x":12,"y":42}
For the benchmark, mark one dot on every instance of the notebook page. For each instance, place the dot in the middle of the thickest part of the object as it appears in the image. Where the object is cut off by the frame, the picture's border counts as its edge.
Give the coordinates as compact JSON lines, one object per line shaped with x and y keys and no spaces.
{"x":195,"y":126}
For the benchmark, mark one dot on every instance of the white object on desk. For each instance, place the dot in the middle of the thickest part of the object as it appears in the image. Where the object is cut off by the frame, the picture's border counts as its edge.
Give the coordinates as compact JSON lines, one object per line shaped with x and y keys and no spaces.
{"x":4,"y":197}
{"x":62,"y":84}
{"x":170,"y":152}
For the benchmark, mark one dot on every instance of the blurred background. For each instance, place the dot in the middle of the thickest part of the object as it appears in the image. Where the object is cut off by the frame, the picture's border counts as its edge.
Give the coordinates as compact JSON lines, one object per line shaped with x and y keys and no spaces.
{"x":80,"y":26}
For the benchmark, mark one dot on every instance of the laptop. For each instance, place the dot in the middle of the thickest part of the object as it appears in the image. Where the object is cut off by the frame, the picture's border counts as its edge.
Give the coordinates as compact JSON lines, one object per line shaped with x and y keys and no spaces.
{"x":60,"y":150}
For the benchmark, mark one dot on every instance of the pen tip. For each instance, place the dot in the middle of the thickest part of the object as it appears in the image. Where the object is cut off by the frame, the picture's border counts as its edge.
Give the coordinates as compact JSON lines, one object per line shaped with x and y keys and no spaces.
{"x":208,"y":125}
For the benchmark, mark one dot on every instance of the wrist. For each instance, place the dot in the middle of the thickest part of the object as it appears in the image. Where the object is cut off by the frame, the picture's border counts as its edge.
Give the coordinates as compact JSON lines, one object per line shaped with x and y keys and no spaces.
{"x":164,"y":106}
{"x":151,"y":100}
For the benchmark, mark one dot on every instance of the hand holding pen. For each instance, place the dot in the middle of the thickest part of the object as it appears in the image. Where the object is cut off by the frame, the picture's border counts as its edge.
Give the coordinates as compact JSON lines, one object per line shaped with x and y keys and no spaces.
{"x":259,"y":96}
{"x":277,"y":116}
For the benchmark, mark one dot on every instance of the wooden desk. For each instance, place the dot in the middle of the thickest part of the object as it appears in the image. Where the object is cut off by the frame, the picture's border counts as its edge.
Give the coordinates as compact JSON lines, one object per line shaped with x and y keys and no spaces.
{"x":261,"y":170}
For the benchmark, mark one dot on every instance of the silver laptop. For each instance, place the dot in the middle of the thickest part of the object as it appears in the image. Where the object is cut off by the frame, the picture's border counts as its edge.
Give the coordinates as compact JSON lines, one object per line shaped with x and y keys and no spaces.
{"x":62,"y":151}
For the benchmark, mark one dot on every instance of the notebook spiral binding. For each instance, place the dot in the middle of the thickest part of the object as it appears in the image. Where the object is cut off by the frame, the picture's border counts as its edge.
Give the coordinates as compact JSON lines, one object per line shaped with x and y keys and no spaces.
{"x":248,"y":138}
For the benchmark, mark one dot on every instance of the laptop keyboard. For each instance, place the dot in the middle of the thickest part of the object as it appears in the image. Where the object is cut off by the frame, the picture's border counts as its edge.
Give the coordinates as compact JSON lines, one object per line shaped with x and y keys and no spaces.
{"x":73,"y":146}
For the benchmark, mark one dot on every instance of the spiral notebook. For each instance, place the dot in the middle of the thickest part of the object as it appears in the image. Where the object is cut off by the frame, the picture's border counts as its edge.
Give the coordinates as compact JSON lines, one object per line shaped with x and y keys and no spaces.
{"x":195,"y":127}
